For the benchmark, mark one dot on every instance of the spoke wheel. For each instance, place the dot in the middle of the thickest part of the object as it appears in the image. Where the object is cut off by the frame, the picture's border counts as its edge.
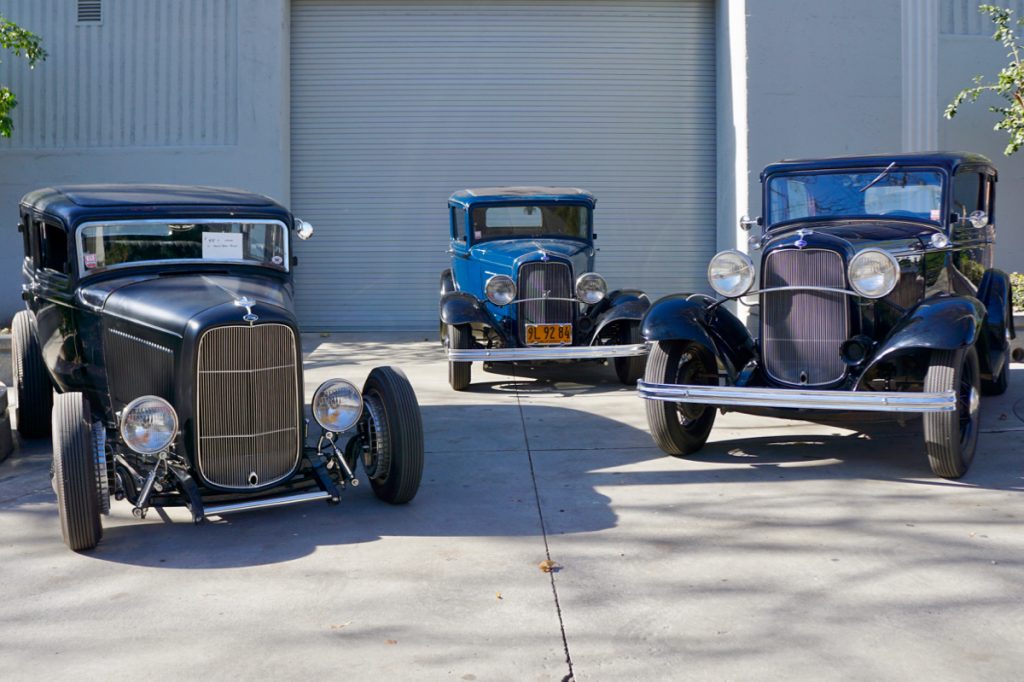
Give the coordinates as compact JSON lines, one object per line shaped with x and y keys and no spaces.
{"x":632,"y":368}
{"x":74,"y":473}
{"x":951,"y":438}
{"x":459,"y":373}
{"x":679,"y":428}
{"x":392,"y":430}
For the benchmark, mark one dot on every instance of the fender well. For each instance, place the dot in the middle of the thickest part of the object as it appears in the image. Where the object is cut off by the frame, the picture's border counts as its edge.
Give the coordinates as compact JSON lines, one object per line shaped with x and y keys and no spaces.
{"x":458,"y":307}
{"x":941,"y":322}
{"x":685,"y":317}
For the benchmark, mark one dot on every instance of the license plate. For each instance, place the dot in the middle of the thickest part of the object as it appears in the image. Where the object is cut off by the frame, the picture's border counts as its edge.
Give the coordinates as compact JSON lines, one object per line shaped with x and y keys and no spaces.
{"x":548,"y":334}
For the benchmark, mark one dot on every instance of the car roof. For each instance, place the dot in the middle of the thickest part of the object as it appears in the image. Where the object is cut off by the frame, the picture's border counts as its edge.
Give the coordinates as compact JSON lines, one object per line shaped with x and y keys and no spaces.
{"x":519,"y":194}
{"x":75,"y":203}
{"x":950,"y":161}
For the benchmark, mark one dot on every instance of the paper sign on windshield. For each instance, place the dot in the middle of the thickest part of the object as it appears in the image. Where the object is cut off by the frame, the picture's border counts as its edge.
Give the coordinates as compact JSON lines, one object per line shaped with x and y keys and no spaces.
{"x":222,"y":246}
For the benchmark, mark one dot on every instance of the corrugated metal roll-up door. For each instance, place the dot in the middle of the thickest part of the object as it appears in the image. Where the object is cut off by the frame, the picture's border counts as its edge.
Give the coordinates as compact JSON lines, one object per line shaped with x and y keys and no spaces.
{"x":397,"y":104}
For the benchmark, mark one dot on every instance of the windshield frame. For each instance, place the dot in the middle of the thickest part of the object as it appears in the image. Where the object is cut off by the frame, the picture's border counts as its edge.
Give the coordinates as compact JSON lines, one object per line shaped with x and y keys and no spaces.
{"x":472,"y":239}
{"x":944,"y":195}
{"x":84,"y":273}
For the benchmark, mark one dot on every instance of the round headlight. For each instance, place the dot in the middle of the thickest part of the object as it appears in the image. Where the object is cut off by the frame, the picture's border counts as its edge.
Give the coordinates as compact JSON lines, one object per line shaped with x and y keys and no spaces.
{"x":500,"y":290}
{"x":148,"y":425}
{"x":873,"y":273}
{"x":731,"y":273}
{"x":591,"y":288}
{"x":337,"y":405}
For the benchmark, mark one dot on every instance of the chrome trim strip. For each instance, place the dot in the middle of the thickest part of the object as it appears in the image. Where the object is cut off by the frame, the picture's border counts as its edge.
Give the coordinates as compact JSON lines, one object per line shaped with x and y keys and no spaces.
{"x":144,"y":342}
{"x":230,"y":508}
{"x":545,"y":353}
{"x":842,"y":401}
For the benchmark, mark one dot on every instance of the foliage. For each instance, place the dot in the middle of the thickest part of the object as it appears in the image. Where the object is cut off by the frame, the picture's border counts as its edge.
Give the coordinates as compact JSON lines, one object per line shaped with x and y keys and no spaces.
{"x":21,"y":43}
{"x":1008,"y":84}
{"x":1017,"y":291}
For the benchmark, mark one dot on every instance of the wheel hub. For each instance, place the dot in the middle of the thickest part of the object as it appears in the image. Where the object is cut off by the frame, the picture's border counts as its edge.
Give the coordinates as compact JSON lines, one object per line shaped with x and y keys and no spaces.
{"x":377,"y":452}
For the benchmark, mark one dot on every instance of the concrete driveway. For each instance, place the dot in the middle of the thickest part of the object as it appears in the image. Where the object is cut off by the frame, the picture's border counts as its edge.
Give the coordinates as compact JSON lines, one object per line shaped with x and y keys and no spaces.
{"x":786,"y":550}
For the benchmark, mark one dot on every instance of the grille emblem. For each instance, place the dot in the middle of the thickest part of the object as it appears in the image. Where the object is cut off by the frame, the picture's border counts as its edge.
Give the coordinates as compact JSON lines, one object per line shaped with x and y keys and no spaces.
{"x":247,"y":303}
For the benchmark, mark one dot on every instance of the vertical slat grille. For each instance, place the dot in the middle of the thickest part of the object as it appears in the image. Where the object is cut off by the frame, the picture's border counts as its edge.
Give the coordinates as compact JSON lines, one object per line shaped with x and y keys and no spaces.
{"x":247,"y":411}
{"x":803,"y":330}
{"x":544,"y":280}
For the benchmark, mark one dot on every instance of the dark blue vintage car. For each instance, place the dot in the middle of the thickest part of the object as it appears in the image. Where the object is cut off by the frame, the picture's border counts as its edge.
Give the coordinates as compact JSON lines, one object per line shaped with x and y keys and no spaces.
{"x":876,"y":293}
{"x":159,"y":346}
{"x":522,"y":287}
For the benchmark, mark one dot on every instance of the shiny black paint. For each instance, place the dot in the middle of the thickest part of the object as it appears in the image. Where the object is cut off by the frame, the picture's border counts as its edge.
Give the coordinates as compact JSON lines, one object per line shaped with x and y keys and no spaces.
{"x":698,"y":318}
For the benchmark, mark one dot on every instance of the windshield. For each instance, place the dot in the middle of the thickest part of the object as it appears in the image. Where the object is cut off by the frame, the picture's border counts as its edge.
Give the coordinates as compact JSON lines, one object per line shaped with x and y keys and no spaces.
{"x":107,"y":245}
{"x":530,"y":220}
{"x":879,"y":192}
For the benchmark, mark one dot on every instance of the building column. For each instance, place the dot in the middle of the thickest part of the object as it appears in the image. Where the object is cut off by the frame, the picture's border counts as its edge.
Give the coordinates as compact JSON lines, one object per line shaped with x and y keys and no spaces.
{"x":920,"y":56}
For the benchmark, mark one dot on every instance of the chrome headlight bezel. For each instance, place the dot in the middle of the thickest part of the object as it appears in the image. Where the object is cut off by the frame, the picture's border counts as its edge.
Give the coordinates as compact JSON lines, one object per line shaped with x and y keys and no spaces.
{"x":500,"y":290}
{"x":131,"y":437}
{"x":891,"y":276}
{"x":587,"y":292}
{"x":322,"y":414}
{"x":741,"y":266}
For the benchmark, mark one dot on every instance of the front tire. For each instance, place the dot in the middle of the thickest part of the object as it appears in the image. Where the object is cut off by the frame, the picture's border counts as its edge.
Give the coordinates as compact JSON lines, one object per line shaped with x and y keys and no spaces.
{"x":632,"y":368}
{"x":459,"y":373}
{"x":679,"y":428}
{"x":393,"y":458}
{"x":31,"y":380}
{"x":951,"y":438}
{"x":74,"y":473}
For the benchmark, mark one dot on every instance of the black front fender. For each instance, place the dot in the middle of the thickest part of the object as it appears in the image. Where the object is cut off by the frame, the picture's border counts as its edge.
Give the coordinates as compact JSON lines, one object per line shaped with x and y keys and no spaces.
{"x":458,"y":307}
{"x":696,"y":318}
{"x":622,"y":305}
{"x":941,"y":322}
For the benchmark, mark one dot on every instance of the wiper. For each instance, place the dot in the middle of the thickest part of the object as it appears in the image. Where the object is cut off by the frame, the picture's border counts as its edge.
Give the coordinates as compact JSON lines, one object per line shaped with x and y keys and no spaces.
{"x":881,"y":175}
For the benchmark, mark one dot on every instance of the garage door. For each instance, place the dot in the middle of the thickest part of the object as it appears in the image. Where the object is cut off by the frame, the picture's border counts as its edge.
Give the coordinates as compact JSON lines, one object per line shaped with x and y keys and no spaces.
{"x":395,"y":105}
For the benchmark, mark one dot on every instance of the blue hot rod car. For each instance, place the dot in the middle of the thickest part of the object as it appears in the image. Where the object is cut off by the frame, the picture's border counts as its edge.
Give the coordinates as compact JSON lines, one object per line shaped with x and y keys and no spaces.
{"x":876,"y":293}
{"x":522,"y":288}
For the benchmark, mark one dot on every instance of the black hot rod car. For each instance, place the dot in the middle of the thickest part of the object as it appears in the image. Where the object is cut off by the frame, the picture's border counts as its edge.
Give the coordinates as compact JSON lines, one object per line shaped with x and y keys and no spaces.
{"x":160,"y":339}
{"x":876,"y":293}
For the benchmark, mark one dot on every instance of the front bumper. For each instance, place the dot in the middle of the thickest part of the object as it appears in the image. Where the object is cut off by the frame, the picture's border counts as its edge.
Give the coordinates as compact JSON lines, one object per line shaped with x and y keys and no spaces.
{"x":795,"y":398}
{"x":545,"y":353}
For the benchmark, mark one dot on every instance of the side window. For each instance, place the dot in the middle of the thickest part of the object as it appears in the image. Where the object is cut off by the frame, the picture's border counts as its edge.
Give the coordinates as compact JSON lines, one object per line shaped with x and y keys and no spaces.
{"x":968,"y":194}
{"x":54,"y":250}
{"x":459,"y":220}
{"x":32,"y":236}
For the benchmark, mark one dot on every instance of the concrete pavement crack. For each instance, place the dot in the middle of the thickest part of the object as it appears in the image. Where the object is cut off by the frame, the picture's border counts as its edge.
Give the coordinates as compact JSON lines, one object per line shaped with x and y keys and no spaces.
{"x":569,"y":677}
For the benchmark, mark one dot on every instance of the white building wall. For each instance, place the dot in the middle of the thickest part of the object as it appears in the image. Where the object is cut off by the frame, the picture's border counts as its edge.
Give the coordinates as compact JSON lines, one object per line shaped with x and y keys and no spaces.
{"x":180,"y":91}
{"x":966,"y":49}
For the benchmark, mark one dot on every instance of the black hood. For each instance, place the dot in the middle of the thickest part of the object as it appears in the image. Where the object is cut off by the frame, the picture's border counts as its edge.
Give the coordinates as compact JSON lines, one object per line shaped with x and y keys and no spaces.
{"x":850,"y":236}
{"x":169,"y":302}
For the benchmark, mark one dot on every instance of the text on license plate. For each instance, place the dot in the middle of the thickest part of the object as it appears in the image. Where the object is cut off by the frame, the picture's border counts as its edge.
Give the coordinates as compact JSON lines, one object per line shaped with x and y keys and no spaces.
{"x":548,"y":334}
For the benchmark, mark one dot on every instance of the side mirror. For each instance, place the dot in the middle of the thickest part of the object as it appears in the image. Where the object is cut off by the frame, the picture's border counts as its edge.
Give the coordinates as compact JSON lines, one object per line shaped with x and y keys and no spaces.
{"x":978,"y":219}
{"x":303,"y":230}
{"x":746,"y":222}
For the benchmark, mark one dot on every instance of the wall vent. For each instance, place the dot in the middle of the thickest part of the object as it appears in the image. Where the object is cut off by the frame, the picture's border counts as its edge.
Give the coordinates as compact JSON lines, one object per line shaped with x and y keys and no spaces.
{"x":90,"y":11}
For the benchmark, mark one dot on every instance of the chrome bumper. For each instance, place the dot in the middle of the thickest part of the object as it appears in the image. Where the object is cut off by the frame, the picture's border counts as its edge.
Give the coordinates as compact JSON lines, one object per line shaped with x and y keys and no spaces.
{"x":249,"y":505}
{"x":796,"y":398}
{"x":545,"y":353}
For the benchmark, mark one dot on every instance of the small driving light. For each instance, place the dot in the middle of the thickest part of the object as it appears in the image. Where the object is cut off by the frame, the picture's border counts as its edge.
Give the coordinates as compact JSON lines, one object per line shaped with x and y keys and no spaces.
{"x":939,"y":240}
{"x":148,"y":425}
{"x":591,"y":288}
{"x":731,"y":273}
{"x":337,"y":405}
{"x":873,"y":273}
{"x":500,"y":290}
{"x":303,"y":230}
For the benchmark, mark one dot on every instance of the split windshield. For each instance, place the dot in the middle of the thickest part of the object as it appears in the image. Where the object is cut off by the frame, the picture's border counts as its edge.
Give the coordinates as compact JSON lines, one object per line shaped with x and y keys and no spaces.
{"x":114,"y":244}
{"x":530,"y":221}
{"x":882,"y":192}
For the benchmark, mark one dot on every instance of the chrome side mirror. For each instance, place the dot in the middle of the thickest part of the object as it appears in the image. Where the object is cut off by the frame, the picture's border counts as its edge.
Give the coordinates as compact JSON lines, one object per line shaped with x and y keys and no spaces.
{"x":978,"y":219}
{"x":746,"y":222}
{"x":303,"y":230}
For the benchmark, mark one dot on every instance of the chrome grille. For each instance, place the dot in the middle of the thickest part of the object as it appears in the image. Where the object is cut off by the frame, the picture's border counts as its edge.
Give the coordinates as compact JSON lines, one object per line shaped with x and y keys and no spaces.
{"x":544,"y":280}
{"x":803,"y":330}
{"x":247,"y":405}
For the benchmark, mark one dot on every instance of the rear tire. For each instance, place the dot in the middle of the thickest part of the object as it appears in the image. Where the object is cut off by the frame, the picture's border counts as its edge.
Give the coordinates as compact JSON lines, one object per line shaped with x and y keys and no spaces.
{"x":679,"y":428}
{"x":74,"y":473}
{"x":951,"y":438}
{"x":632,"y":368}
{"x":393,"y":460}
{"x":459,"y":373}
{"x":999,"y":384}
{"x":31,"y":380}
